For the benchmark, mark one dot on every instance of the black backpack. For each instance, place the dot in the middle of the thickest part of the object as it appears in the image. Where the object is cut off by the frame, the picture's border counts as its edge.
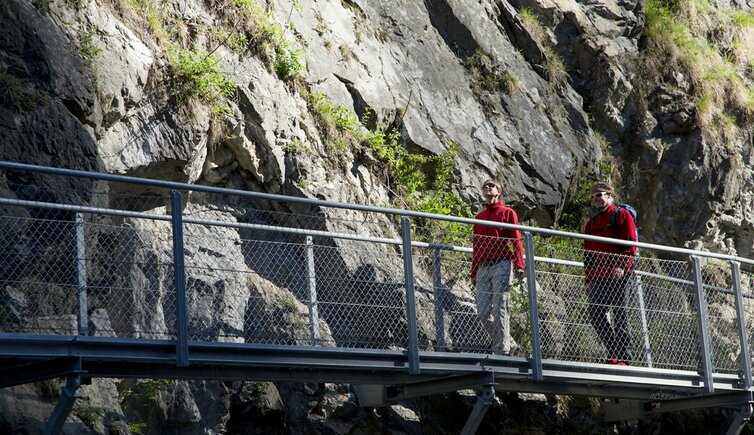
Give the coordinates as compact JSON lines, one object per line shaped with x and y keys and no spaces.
{"x":614,"y":221}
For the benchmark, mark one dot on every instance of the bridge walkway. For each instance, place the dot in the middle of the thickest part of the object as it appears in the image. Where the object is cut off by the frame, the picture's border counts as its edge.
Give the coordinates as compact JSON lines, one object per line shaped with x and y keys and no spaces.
{"x":107,"y":276}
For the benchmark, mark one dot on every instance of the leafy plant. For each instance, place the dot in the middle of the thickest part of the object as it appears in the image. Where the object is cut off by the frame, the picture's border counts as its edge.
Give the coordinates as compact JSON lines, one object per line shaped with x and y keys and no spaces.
{"x":87,"y":49}
{"x":198,"y":76}
{"x":287,"y":58}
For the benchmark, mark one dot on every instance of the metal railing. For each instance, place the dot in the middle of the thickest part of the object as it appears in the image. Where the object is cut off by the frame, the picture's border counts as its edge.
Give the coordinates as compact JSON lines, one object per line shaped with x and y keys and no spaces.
{"x":188,"y":263}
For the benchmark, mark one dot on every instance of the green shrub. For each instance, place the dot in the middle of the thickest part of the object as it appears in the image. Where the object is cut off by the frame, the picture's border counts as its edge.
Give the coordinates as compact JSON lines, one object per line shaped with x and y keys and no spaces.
{"x":198,"y":77}
{"x":715,"y":48}
{"x":87,"y":49}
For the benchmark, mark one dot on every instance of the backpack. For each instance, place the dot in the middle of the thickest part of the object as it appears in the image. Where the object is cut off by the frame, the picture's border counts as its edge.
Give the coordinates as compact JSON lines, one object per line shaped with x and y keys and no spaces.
{"x":614,"y":221}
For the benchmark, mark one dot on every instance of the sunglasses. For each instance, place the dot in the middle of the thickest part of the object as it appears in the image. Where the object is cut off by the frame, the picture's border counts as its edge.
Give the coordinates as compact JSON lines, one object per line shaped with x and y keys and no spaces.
{"x":599,"y":194}
{"x":490,"y":185}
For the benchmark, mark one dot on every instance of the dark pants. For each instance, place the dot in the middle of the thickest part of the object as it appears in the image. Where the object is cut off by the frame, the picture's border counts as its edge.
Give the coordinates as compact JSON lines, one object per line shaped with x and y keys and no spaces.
{"x":606,"y":295}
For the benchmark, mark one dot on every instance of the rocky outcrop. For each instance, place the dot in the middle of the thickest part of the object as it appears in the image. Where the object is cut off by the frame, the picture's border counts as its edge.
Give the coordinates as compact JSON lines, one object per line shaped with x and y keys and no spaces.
{"x":89,"y":85}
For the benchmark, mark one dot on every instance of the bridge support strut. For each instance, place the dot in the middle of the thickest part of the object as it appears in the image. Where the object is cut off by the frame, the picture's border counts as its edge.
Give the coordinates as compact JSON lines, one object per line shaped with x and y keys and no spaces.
{"x":483,"y":401}
{"x":742,"y":416}
{"x":65,"y":403}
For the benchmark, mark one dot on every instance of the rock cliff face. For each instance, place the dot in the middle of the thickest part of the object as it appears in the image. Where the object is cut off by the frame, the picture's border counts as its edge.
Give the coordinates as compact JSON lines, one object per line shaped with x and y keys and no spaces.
{"x":94,"y":85}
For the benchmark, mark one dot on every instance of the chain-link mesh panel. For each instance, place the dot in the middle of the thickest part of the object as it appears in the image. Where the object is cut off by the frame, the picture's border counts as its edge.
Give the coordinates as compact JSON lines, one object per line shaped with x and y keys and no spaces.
{"x":38,"y":274}
{"x":563,"y":307}
{"x":362,"y":295}
{"x":131,"y":281}
{"x":672,"y":326}
{"x":725,"y":346}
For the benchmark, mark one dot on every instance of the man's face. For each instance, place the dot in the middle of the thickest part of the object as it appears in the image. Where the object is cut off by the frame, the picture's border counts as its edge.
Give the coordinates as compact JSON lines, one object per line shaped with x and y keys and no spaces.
{"x":490,"y":190}
{"x":602,"y":199}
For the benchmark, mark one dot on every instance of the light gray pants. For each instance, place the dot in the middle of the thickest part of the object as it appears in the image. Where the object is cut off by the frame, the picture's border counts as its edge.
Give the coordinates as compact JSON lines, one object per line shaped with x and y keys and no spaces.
{"x":493,"y":291}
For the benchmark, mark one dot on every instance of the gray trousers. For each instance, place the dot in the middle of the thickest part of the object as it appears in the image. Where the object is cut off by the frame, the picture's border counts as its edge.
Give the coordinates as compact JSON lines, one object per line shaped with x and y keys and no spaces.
{"x":493,"y":291}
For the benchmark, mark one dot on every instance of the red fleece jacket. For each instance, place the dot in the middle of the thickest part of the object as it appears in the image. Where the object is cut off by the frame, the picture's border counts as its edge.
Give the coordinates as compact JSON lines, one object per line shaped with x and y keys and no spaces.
{"x":492,"y":243}
{"x":600,"y":258}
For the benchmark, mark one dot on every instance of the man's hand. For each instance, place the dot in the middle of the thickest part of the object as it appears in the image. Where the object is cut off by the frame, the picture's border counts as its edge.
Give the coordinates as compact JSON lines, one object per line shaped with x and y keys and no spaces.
{"x":519,"y":273}
{"x":617,"y":272}
{"x":587,"y":287}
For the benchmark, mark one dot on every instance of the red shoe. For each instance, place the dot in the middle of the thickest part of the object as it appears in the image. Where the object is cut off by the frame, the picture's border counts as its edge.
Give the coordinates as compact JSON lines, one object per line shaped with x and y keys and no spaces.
{"x":613,"y":361}
{"x":621,"y":363}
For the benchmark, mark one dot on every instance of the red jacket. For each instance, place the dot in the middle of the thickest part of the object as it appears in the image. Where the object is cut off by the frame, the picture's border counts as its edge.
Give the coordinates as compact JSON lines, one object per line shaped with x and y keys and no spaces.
{"x":491,"y":243}
{"x":601,"y":258}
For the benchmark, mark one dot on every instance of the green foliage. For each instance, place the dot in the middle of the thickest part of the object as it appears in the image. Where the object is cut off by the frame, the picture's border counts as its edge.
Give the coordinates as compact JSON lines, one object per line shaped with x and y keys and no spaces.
{"x":287,"y":58}
{"x":137,"y":428}
{"x":146,"y":391}
{"x":554,"y":67}
{"x":198,"y":77}
{"x":578,"y":209}
{"x":743,"y":18}
{"x":88,"y":414}
{"x":519,"y":308}
{"x":715,"y":49}
{"x":87,"y":49}
{"x":490,"y":76}
{"x":339,"y":125}
{"x":43,"y":5}
{"x":532,"y":23}
{"x":425,"y":182}
{"x":296,"y":146}
{"x":421,"y":182}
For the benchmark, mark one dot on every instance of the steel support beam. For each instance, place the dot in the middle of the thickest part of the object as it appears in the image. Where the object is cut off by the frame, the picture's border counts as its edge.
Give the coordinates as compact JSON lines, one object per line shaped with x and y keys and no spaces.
{"x":742,"y":417}
{"x":483,"y":401}
{"x":63,"y":408}
{"x":39,"y":370}
{"x":439,"y":386}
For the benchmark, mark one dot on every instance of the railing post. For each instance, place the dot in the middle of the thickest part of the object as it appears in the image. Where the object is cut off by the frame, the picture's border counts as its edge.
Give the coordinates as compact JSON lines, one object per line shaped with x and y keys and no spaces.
{"x":531,"y":281}
{"x":643,"y":318}
{"x":439,"y":299}
{"x":312,"y":284}
{"x":408,"y":268}
{"x":81,"y":290}
{"x":701,"y":309}
{"x":182,"y":356}
{"x":735,"y":268}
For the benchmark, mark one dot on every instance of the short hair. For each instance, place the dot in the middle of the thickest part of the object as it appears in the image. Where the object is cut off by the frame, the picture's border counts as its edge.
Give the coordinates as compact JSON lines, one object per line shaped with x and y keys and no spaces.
{"x":601,"y":186}
{"x":491,"y":180}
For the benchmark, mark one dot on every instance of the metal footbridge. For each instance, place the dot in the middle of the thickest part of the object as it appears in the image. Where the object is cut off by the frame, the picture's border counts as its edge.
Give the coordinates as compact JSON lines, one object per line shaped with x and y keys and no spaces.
{"x":106,"y":276}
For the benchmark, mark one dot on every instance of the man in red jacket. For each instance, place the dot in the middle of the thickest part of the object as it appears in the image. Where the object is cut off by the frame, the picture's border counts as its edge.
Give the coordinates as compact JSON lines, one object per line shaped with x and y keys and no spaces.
{"x":607,"y":268}
{"x":494,"y":249}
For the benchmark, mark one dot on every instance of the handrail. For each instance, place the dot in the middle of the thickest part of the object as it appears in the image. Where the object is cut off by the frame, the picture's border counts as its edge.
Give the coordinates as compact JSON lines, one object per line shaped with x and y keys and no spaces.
{"x":366,"y":208}
{"x":308,"y":232}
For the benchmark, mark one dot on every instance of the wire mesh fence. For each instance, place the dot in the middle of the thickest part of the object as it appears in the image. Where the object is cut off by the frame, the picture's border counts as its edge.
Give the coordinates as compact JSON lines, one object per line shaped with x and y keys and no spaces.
{"x":266,"y":272}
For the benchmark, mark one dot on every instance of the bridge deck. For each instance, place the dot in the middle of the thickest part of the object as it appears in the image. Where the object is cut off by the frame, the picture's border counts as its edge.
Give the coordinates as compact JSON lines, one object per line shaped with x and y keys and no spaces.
{"x":194,"y":282}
